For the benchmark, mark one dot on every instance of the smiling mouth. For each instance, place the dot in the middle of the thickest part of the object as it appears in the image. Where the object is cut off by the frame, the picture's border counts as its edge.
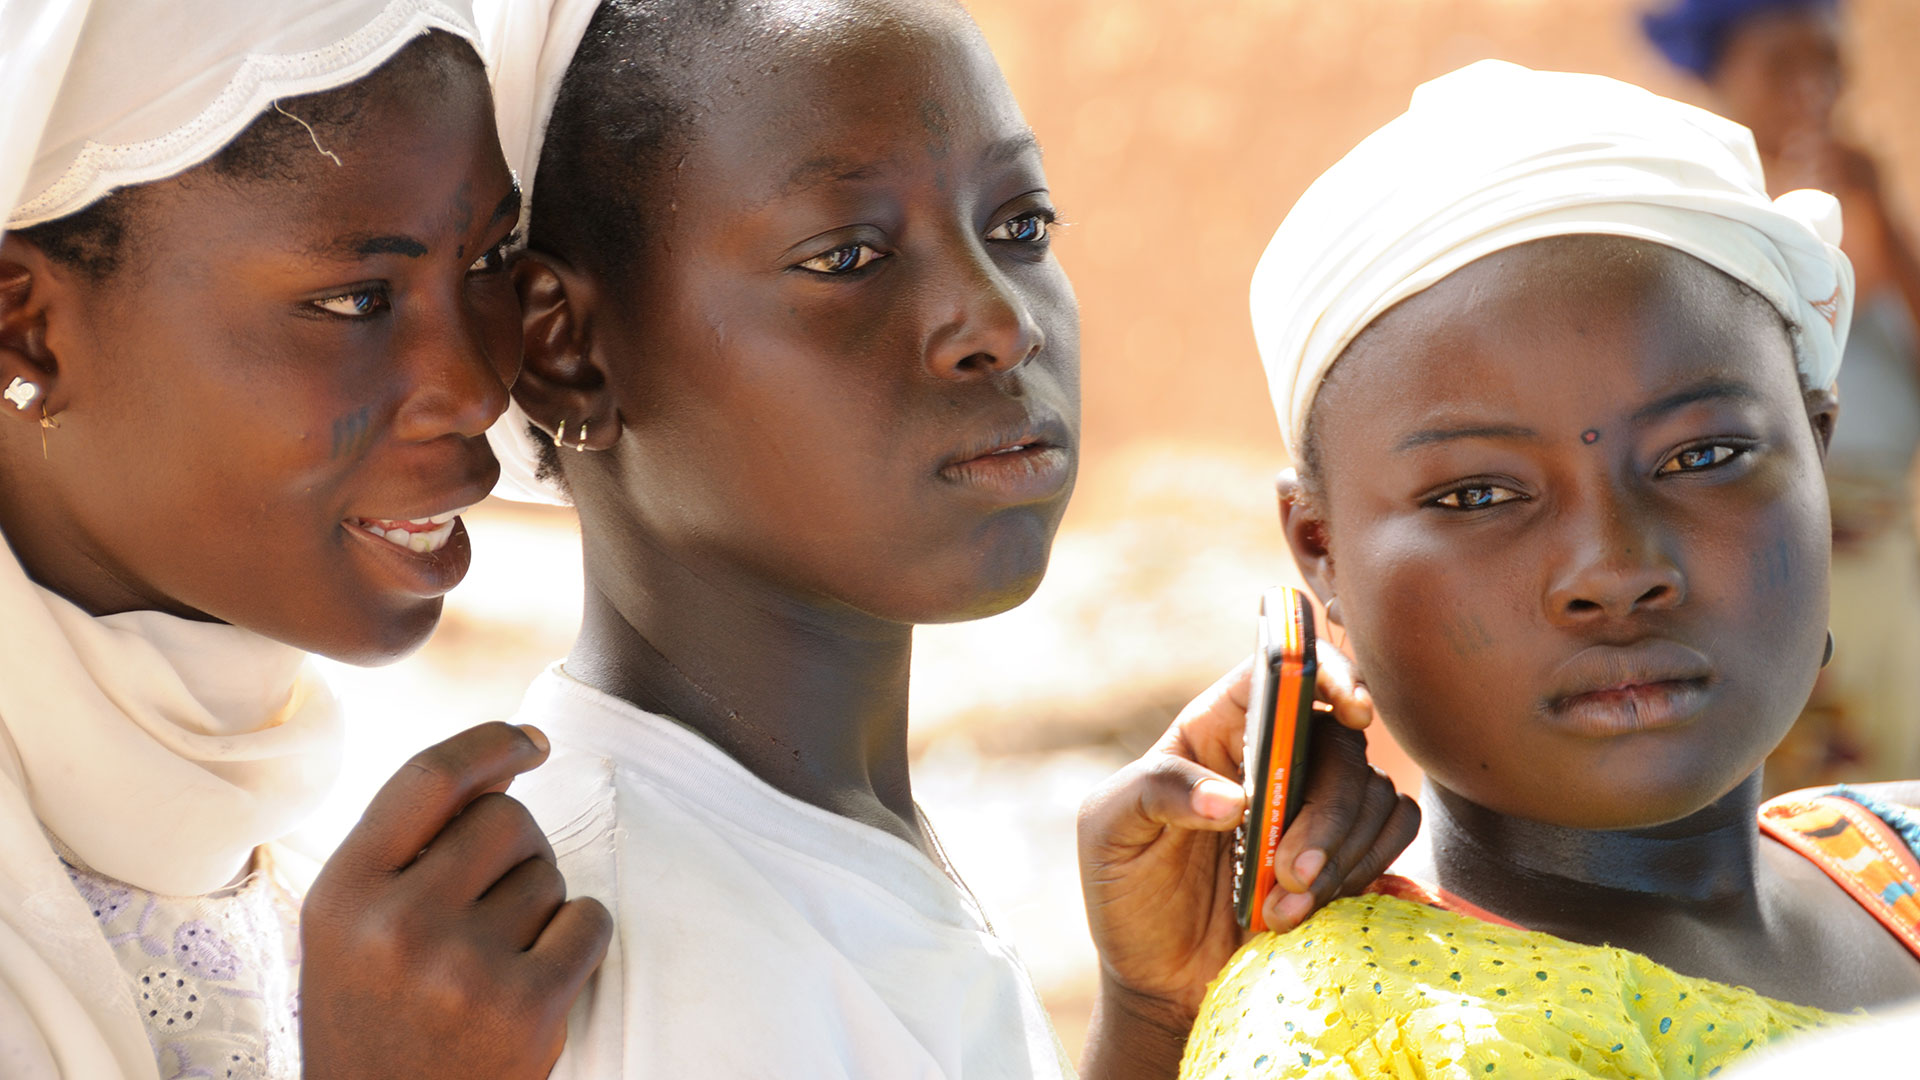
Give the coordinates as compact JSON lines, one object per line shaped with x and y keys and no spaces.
{"x":419,"y":535}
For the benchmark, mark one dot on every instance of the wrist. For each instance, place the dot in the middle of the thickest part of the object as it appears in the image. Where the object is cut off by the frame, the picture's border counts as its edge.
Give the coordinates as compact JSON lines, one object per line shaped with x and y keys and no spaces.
{"x":1134,"y":1034}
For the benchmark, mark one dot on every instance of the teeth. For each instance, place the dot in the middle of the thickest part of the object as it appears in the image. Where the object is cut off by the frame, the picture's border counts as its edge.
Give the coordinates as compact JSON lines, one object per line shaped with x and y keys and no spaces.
{"x":423,"y":541}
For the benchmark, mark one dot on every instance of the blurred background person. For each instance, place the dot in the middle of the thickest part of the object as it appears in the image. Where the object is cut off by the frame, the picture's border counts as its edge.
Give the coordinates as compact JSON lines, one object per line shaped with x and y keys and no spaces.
{"x":1777,"y":66}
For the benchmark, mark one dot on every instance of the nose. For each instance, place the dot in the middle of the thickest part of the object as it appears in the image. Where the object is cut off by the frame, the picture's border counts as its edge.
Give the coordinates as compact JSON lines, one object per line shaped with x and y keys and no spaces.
{"x":456,"y":374}
{"x":1620,"y":566}
{"x":986,"y":326}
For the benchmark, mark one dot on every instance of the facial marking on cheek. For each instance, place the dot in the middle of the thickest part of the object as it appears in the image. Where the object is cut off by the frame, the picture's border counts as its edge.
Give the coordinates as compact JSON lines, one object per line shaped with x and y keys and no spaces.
{"x":1590,"y":436}
{"x":1467,"y":636}
{"x":352,"y":432}
{"x":1773,"y":566}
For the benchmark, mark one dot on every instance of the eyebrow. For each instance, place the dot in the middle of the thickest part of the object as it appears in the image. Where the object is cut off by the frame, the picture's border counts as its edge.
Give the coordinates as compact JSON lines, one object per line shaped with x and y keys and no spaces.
{"x":1711,"y":390}
{"x":838,"y":170}
{"x":1429,"y":436}
{"x":356,"y":246}
{"x":1011,"y":147}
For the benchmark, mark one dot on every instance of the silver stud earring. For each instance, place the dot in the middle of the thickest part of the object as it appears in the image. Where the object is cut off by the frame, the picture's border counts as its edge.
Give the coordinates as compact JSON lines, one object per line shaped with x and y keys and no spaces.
{"x":21,"y":393}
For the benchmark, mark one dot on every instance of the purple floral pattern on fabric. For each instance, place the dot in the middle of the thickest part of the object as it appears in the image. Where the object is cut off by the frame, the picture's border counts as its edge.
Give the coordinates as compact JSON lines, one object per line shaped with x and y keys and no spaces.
{"x":214,"y":977}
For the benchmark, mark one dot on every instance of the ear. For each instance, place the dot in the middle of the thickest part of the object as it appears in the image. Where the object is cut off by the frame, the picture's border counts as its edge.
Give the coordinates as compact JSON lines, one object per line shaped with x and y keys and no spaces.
{"x":1823,"y":410}
{"x":563,"y":380}
{"x":1305,"y":525}
{"x":29,"y":372}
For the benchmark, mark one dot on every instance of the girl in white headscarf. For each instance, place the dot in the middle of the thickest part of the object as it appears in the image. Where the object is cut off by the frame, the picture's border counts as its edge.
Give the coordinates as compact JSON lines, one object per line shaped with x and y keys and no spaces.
{"x":1557,"y":376}
{"x":253,"y":326}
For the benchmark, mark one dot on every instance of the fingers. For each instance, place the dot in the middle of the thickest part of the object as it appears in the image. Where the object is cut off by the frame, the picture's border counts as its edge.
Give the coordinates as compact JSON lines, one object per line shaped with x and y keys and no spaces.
{"x":1339,"y":686}
{"x":1337,"y":774}
{"x":1212,"y":729}
{"x":1157,"y":792}
{"x":432,"y":787}
{"x":523,"y":902}
{"x":1396,"y":833}
{"x":572,"y":946}
{"x":493,"y":835}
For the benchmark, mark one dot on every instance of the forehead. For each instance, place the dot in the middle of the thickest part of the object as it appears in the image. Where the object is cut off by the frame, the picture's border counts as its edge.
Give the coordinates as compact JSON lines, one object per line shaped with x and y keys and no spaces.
{"x":1571,"y":330}
{"x":849,"y":90}
{"x":415,"y":164}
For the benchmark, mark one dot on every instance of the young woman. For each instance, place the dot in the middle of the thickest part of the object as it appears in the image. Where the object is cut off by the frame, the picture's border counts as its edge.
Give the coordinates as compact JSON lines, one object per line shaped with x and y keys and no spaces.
{"x":801,"y":354}
{"x":254,"y":322}
{"x":1557,"y":373}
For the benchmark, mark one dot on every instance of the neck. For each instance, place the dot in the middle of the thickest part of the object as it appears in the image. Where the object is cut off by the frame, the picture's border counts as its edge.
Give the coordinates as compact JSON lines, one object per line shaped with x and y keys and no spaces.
{"x":810,"y":699}
{"x":1582,"y":883}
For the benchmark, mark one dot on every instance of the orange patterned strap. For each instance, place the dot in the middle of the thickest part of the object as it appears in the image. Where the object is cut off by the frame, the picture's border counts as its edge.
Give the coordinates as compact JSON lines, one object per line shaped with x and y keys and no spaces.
{"x":1862,"y":853}
{"x":1418,"y":892}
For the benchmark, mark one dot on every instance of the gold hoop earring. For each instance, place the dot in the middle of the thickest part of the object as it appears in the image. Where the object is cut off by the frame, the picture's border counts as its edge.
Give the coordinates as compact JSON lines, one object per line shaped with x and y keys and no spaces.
{"x":560,"y":435}
{"x":581,"y":446}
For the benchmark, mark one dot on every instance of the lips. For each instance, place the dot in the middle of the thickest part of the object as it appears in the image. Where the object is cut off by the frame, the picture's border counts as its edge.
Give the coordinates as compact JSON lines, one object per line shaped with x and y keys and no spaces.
{"x":1030,"y":461}
{"x":1607,"y":690}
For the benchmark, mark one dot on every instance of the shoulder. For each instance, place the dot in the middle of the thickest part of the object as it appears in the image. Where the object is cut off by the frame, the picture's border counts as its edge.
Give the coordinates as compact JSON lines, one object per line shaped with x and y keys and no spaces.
{"x":1376,"y":983}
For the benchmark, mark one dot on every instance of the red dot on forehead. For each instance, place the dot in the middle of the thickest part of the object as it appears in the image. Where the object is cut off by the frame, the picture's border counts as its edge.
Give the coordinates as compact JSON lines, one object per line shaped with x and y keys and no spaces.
{"x":1590,"y":436}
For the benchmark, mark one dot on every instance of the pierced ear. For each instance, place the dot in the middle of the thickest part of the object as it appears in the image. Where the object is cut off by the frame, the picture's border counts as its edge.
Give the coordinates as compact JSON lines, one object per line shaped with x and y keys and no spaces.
{"x":563,"y":384}
{"x":1823,"y":411}
{"x":1306,"y":530}
{"x":29,"y":372}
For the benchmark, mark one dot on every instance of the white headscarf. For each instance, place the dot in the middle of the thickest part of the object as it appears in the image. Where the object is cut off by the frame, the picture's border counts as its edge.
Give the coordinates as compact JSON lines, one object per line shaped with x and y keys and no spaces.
{"x":1496,"y":155}
{"x":528,"y":45}
{"x":159,"y":751}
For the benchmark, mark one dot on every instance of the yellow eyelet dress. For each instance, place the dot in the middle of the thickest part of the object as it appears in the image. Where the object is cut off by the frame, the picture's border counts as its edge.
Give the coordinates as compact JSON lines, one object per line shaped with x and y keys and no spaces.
{"x":1393,"y":984}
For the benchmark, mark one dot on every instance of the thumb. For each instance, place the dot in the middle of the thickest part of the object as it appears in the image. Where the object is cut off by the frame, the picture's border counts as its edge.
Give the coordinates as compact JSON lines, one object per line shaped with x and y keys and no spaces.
{"x":1160,"y":791}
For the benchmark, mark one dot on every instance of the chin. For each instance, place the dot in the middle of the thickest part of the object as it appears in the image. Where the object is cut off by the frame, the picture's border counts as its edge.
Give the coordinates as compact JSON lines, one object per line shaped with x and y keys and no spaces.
{"x":365,"y":642}
{"x":982,"y":582}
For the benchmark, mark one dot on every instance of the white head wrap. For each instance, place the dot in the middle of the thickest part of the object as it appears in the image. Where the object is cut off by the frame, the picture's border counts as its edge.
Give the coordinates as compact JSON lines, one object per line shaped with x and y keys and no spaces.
{"x":106,"y":93}
{"x":159,"y":751}
{"x":1496,"y":155}
{"x":528,"y":45}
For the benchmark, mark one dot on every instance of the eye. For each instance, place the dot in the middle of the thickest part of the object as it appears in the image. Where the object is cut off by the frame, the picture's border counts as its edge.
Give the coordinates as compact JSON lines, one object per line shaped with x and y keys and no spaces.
{"x":1698,"y":458}
{"x":358,"y":304}
{"x":1029,"y":228}
{"x":844,"y":260}
{"x":496,"y":257}
{"x":1477,"y":497}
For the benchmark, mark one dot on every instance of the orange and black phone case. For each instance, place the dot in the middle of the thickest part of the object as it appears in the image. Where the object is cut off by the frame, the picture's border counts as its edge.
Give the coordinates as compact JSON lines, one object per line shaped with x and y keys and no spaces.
{"x":1279,"y":733}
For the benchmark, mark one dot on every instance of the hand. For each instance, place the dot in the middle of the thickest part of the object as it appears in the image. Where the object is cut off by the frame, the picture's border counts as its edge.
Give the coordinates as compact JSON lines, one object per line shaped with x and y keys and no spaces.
{"x":1156,"y":841}
{"x":438,"y":940}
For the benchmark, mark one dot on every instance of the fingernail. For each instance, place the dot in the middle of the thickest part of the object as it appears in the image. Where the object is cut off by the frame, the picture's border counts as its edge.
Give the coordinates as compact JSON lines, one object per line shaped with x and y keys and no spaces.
{"x":537,"y":737}
{"x":1293,"y":909}
{"x":1308,"y":866}
{"x":1216,"y":799}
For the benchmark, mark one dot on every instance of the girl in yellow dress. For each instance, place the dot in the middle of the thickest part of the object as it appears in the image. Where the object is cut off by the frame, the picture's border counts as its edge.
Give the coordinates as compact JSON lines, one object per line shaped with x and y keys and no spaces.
{"x":1556,"y":374}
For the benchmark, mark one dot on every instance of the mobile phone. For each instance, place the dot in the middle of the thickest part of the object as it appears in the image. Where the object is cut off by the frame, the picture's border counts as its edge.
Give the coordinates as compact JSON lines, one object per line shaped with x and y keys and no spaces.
{"x":1279,"y":734}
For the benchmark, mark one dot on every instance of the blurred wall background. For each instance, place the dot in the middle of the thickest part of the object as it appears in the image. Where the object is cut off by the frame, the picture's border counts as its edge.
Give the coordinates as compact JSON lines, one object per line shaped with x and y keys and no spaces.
{"x":1177,"y":133}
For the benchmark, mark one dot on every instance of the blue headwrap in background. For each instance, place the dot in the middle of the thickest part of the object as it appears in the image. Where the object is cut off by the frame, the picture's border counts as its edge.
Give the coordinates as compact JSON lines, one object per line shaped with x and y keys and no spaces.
{"x":1692,"y":32}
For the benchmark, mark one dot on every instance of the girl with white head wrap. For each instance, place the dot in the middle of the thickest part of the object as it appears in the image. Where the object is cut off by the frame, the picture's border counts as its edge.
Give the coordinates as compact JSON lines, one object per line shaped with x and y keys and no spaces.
{"x":145,"y":758}
{"x":1558,"y":621}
